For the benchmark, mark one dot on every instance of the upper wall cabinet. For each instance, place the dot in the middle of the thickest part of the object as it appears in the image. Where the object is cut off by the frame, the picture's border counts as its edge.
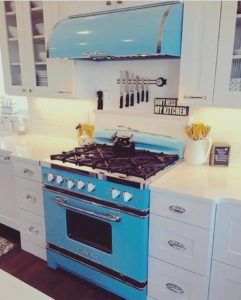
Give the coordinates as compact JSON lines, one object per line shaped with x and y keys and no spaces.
{"x":25,"y":27}
{"x":227,"y":91}
{"x":68,"y":8}
{"x":199,"y":52}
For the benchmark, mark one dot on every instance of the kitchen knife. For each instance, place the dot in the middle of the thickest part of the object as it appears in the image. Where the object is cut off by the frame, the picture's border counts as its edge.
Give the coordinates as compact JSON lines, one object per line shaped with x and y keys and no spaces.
{"x":147,"y":90}
{"x":121,"y":89}
{"x":142,"y":90}
{"x":127,"y":88}
{"x":132,"y":90}
{"x":137,"y":89}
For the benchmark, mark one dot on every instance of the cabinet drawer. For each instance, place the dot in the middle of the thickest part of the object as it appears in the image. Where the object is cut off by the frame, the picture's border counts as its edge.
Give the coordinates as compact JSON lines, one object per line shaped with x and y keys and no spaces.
{"x":180,"y":244}
{"x":33,"y":249}
{"x":184,"y":209}
{"x":32,"y":228}
{"x":227,"y":242}
{"x":171,"y":283}
{"x":30,"y":196}
{"x":28,"y":170}
{"x":225,"y":282}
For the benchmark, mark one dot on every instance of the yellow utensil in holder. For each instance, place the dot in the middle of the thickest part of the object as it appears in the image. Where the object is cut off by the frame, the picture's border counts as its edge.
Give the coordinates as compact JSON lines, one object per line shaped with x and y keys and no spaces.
{"x":87,"y":128}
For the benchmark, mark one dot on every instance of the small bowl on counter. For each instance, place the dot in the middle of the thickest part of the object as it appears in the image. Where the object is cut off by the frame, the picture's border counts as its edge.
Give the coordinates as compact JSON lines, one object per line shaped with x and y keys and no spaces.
{"x":12,"y":31}
{"x":40,"y":28}
{"x":42,"y":56}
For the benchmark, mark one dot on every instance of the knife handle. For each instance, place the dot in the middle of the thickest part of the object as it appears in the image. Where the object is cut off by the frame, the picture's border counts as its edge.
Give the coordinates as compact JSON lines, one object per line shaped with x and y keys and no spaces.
{"x":121,"y":101}
{"x":147,"y":96}
{"x":132,"y":100}
{"x":142,"y":96}
{"x":138,"y":97}
{"x":127,"y":100}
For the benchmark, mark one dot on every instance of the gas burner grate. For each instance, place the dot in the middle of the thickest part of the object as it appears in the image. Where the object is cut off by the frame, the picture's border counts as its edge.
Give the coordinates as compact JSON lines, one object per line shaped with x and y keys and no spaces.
{"x":140,"y":163}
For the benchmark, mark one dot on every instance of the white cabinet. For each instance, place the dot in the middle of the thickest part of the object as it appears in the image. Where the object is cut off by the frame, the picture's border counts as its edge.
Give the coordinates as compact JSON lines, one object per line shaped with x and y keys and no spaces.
{"x":180,"y":246}
{"x":30,"y":207}
{"x":167,"y":282}
{"x":226,"y":264}
{"x":68,"y":8}
{"x":225,"y":282}
{"x":199,"y":52}
{"x":8,"y":197}
{"x":227,"y":242}
{"x":24,"y":31}
{"x":182,"y":208}
{"x":228,"y":75}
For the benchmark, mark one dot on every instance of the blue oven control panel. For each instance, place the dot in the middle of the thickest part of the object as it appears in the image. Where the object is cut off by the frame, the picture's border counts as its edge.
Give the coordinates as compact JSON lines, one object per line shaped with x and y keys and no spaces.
{"x":100,"y":189}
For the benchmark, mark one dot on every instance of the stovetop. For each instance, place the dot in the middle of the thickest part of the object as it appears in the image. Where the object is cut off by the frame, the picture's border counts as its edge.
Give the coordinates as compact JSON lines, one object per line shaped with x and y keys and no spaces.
{"x":140,"y":164}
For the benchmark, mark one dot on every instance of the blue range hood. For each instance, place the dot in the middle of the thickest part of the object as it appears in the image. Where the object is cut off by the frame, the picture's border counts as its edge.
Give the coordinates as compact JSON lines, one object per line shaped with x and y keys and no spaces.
{"x":147,"y":31}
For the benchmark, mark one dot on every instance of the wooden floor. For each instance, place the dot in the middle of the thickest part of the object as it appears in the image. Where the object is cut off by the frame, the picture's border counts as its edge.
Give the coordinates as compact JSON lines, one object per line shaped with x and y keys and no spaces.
{"x":58,"y":284}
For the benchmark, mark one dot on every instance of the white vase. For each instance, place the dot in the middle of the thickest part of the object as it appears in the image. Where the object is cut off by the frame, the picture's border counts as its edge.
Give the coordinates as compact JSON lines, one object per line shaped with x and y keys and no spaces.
{"x":196,"y":152}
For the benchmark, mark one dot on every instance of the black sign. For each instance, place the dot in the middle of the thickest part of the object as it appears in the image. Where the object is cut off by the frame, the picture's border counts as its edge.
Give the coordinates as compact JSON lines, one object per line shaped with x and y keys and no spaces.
{"x":168,"y":106}
{"x":221,"y":155}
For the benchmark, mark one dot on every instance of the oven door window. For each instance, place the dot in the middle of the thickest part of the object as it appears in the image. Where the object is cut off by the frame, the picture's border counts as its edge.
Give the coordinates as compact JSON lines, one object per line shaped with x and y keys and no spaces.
{"x":89,"y":230}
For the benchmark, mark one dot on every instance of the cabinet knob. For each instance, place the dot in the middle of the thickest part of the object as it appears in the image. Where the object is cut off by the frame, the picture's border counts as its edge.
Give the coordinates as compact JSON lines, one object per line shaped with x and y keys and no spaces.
{"x":30,"y":91}
{"x":195,"y":97}
{"x":108,"y":2}
{"x":174,"y":288}
{"x":178,"y":210}
{"x":119,"y":2}
{"x":24,"y":90}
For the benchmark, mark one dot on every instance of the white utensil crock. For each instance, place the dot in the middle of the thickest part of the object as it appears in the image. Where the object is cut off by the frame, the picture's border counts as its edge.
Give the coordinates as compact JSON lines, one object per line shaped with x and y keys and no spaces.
{"x":196,"y":152}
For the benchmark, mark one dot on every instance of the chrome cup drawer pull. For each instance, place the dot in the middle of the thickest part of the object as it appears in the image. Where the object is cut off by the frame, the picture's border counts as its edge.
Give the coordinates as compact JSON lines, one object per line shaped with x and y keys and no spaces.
{"x":178,"y":210}
{"x":28,"y":172}
{"x":31,"y":198}
{"x":176,"y":245}
{"x":174,"y":288}
{"x":33,"y":230}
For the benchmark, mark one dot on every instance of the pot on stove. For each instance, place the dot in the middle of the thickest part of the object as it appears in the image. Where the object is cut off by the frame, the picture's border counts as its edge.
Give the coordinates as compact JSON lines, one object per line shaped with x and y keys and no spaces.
{"x":123,"y":144}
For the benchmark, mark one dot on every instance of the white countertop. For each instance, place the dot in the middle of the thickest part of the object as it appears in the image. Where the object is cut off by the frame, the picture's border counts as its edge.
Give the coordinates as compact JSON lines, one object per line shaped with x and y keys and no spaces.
{"x":12,"y":289}
{"x":35,"y":146}
{"x":207,"y":182}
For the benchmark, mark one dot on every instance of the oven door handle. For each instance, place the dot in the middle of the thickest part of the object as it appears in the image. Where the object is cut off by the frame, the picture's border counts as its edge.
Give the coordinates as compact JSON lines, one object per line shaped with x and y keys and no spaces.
{"x":108,"y":217}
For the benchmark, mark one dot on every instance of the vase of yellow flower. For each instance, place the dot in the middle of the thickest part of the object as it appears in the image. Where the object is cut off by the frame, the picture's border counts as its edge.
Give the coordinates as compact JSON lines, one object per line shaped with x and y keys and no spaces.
{"x":198,"y":144}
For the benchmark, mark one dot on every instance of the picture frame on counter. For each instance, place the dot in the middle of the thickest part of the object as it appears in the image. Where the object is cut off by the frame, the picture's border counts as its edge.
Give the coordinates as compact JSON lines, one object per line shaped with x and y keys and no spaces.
{"x":220,"y":154}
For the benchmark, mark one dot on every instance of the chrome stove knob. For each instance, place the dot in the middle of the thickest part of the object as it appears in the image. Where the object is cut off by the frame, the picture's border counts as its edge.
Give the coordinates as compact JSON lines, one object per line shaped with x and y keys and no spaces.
{"x":70,"y":184}
{"x":59,"y":179}
{"x":115,"y":193}
{"x":90,"y":187}
{"x":50,"y":177}
{"x":80,"y":184}
{"x":127,"y":196}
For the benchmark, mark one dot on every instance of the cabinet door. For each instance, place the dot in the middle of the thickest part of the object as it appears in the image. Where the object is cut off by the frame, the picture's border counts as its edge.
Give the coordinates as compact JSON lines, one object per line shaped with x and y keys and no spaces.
{"x":35,"y":28}
{"x":167,"y":282}
{"x":227,"y":242}
{"x":225,"y":282}
{"x":199,"y":52}
{"x":8,"y":199}
{"x":13,"y":47}
{"x":180,"y":244}
{"x":69,"y":8}
{"x":60,"y":71}
{"x":228,"y":77}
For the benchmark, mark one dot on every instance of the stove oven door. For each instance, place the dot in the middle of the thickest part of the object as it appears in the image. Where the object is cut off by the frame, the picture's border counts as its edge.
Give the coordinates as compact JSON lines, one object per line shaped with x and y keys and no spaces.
{"x":107,"y":236}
